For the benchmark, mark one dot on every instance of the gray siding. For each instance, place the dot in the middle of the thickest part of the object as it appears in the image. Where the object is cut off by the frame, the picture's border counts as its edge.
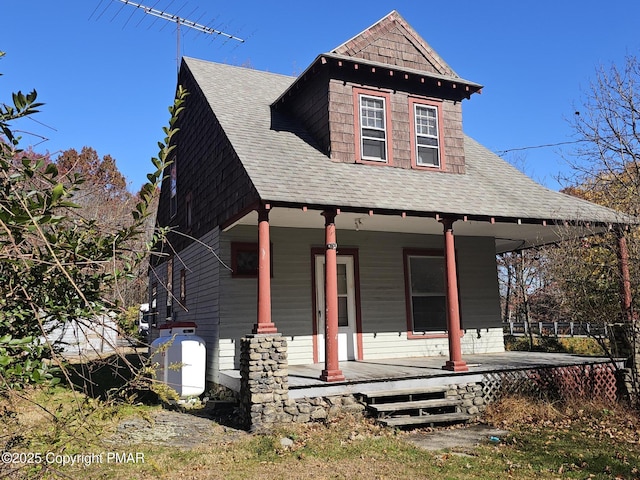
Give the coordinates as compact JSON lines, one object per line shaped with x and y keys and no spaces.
{"x":290,"y":288}
{"x":202,"y":269}
{"x":381,"y":288}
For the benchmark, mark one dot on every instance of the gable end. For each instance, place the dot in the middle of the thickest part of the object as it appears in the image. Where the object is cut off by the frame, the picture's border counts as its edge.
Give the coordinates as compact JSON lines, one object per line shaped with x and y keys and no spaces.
{"x":392,"y":41}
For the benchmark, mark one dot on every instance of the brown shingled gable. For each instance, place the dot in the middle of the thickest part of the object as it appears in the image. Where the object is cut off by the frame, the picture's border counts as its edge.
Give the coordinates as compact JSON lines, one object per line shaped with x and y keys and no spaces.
{"x":393,"y":41}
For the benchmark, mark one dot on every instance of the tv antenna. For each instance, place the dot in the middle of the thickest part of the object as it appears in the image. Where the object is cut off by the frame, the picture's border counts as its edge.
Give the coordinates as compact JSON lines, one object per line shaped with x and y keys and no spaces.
{"x":180,"y":21}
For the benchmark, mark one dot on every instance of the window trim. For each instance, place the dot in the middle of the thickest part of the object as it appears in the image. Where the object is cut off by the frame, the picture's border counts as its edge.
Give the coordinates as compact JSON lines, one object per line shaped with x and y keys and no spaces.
{"x":358,"y":93}
{"x":413,"y":104}
{"x":415,"y":252}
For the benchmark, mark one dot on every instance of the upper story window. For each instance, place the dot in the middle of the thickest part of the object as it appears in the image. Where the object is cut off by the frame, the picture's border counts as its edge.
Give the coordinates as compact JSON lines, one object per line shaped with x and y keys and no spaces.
{"x":373,"y":128}
{"x":426,"y":125}
{"x":372,"y":125}
{"x":427,"y":141}
{"x":173,"y":189}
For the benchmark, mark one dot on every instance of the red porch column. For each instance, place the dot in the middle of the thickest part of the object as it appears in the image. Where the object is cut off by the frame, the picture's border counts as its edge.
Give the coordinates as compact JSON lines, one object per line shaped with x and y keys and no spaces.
{"x":455,"y":362}
{"x":625,"y":278}
{"x":264,"y":325}
{"x":331,"y":372}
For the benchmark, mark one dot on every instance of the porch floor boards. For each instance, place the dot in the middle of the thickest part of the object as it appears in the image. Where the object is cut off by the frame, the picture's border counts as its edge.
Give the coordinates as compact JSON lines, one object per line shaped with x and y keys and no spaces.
{"x":301,"y":376}
{"x":398,"y":373}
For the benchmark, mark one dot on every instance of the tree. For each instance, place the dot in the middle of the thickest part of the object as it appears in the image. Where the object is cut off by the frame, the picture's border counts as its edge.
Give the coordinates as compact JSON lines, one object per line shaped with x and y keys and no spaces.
{"x":105,"y":199}
{"x":606,"y":163}
{"x":103,"y":173}
{"x":54,"y":265}
{"x":103,"y":196}
{"x":607,"y":168}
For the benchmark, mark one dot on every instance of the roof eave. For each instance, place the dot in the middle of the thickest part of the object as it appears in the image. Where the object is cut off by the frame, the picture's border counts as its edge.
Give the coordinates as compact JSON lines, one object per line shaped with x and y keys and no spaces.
{"x":622,"y":221}
{"x":464,"y":88}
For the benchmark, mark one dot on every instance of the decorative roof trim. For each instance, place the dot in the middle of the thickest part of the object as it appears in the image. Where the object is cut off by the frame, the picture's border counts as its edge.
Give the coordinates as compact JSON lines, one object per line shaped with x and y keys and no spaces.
{"x":468,"y":87}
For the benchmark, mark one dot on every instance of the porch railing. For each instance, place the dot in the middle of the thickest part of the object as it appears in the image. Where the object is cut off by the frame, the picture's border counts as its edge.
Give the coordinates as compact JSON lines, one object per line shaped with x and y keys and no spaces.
{"x":557,"y":329}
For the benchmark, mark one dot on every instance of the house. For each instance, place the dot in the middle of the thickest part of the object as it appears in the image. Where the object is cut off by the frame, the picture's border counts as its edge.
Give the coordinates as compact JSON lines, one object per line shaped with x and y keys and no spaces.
{"x":345,"y":209}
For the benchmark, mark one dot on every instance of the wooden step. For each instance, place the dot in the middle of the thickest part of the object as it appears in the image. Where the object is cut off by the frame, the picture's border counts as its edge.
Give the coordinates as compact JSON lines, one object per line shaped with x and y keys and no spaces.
{"x":425,"y":419}
{"x":404,"y":392}
{"x":414,"y":405}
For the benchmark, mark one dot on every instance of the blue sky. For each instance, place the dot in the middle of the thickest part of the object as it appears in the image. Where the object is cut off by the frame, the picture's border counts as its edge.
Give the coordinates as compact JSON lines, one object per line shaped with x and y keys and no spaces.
{"x":107,"y":72}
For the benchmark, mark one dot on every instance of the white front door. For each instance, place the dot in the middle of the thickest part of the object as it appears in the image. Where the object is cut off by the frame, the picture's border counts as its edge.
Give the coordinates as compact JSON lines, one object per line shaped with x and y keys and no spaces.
{"x":346,"y":307}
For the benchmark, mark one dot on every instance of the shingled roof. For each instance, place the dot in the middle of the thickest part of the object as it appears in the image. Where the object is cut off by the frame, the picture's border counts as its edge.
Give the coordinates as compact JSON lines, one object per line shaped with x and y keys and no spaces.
{"x":287,"y":168}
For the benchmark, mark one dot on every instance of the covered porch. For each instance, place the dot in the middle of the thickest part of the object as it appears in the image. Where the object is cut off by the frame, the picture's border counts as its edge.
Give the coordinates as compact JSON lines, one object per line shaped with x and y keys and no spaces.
{"x":506,"y":234}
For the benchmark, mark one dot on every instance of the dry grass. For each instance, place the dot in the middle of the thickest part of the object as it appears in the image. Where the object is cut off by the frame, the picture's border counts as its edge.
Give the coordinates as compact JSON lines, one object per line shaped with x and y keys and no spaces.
{"x":516,"y":410}
{"x":574,"y":440}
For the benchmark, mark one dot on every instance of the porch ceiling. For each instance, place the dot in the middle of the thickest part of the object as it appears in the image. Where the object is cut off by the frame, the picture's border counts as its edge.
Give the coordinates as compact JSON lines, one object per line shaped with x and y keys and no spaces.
{"x":508,"y":236}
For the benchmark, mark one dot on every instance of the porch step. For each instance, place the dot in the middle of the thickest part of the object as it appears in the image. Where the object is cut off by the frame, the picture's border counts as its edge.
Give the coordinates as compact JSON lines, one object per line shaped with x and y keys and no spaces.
{"x":383,"y":396}
{"x":413,"y":407}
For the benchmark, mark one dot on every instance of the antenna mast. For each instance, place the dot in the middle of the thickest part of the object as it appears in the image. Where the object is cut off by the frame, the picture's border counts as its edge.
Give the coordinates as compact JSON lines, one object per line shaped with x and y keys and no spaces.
{"x":179,"y":21}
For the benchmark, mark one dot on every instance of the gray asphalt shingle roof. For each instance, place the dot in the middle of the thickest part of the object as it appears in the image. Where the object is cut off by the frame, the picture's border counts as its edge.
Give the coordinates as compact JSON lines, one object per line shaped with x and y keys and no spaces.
{"x":285,"y":165}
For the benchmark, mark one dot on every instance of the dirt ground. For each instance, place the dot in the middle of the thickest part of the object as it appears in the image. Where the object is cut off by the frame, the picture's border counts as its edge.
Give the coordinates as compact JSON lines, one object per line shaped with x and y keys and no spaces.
{"x":465,"y":437}
{"x":190,"y":429}
{"x":179,"y":429}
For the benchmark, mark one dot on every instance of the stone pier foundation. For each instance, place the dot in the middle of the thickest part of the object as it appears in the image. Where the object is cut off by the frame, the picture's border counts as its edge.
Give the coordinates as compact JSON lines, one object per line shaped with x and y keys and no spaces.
{"x":264,"y":388}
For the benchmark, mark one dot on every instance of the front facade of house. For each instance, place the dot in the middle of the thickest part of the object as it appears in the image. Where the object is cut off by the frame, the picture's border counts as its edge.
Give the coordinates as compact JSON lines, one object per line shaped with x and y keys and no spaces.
{"x":324,"y":207}
{"x":374,"y":294}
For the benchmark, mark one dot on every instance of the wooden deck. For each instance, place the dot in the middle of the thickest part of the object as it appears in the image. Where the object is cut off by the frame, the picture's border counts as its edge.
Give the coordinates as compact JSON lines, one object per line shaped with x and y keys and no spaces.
{"x":373,"y":375}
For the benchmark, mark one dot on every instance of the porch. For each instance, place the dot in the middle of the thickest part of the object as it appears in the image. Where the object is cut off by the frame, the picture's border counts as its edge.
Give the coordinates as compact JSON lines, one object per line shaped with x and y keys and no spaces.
{"x":368,"y":376}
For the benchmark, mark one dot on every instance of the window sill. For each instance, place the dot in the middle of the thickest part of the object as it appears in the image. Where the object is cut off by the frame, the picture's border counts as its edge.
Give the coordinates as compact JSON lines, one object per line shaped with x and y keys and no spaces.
{"x":415,"y":166}
{"x":372,"y":161}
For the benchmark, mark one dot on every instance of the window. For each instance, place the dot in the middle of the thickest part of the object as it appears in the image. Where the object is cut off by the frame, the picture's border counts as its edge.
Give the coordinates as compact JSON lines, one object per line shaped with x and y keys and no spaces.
{"x":189,"y":210}
{"x":427,"y":149}
{"x":183,"y":287}
{"x":174,"y":190}
{"x":373,"y":133}
{"x":425,"y":291}
{"x":154,"y":295}
{"x":244,"y":260}
{"x":426,"y":135}
{"x":154,"y":305}
{"x":169,"y":314}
